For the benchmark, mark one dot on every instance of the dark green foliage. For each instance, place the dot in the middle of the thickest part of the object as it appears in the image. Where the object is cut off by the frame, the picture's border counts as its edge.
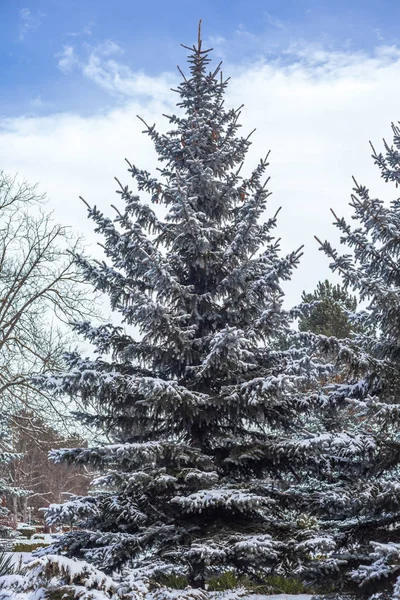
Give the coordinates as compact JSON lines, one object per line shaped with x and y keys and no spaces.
{"x":273,"y":584}
{"x":27,"y":531}
{"x":328,"y":310}
{"x":21,"y":546}
{"x":230,"y":580}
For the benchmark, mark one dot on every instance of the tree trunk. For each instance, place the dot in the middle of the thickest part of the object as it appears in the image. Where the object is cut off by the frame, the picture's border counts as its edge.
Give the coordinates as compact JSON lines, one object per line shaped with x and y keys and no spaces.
{"x":15,"y":509}
{"x":25,"y":509}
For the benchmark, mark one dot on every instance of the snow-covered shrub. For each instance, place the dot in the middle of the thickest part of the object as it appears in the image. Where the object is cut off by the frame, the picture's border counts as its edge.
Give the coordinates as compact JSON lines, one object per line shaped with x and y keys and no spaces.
{"x":60,"y":578}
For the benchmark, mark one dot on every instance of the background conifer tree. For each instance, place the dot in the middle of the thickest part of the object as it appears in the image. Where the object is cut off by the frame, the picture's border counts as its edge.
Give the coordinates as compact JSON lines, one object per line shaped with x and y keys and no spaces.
{"x":328,"y":310}
{"x":365,"y":501}
{"x":210,"y":453}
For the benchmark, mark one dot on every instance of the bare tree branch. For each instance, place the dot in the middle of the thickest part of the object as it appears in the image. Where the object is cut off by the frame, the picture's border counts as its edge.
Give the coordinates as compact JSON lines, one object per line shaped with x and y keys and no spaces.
{"x":40,"y":291}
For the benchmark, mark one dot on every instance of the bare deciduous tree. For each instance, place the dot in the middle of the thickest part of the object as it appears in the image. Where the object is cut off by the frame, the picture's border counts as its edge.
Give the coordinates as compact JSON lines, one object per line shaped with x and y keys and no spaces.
{"x":40,"y":291}
{"x":46,"y":481}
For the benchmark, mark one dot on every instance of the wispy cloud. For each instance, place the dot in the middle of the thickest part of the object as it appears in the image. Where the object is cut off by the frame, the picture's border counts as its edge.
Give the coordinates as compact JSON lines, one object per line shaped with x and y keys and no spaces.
{"x":100,"y":65}
{"x":70,"y":58}
{"x":28,"y":21}
{"x":315,"y":109}
{"x":67,"y":59}
{"x":37,"y":102}
{"x":274,"y":22}
{"x":86,"y":31}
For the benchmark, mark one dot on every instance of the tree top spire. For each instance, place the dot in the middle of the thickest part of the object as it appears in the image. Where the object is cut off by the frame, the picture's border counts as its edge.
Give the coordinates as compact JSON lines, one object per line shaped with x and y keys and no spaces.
{"x":199,"y":36}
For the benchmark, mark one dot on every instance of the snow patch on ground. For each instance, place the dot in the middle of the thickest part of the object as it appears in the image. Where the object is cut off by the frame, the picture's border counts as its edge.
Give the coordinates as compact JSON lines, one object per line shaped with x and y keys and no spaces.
{"x":227,"y":596}
{"x":280,"y":597}
{"x":20,"y":557}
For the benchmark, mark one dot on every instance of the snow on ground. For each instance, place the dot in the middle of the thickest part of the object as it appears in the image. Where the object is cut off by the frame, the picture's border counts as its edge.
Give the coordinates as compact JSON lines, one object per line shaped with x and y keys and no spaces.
{"x":20,"y":557}
{"x":227,"y":596}
{"x":281,"y":597}
{"x":24,"y":557}
{"x":48,"y":538}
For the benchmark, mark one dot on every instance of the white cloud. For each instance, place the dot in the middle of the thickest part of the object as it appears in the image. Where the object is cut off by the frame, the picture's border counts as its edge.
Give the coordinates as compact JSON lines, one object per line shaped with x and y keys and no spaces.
{"x":29,"y":21}
{"x":316,"y":110}
{"x":108,"y":48}
{"x":119,"y":80}
{"x":99,"y":65}
{"x":87,"y":30}
{"x":274,"y":22}
{"x":67,"y":59}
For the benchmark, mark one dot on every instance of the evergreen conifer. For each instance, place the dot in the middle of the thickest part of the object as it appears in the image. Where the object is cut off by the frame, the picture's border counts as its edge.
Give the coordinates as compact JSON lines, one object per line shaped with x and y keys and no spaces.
{"x":329,"y":308}
{"x":210,"y":450}
{"x":364,"y":502}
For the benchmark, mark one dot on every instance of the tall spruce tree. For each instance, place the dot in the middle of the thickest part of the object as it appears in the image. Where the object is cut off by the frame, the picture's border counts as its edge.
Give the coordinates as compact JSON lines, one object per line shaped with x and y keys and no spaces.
{"x":210,"y":452}
{"x":365,"y":502}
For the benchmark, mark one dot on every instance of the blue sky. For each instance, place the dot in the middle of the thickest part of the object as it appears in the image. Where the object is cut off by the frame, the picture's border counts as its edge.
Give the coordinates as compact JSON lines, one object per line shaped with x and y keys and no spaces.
{"x":318,"y":79}
{"x":35,"y":33}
